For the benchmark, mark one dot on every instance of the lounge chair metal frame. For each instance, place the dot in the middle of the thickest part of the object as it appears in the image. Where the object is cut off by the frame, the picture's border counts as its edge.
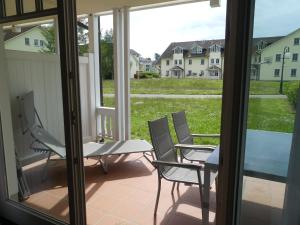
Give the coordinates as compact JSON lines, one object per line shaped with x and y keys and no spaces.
{"x":44,"y":142}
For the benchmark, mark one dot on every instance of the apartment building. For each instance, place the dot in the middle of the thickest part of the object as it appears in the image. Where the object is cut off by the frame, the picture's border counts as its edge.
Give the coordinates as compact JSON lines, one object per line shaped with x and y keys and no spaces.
{"x":195,"y":59}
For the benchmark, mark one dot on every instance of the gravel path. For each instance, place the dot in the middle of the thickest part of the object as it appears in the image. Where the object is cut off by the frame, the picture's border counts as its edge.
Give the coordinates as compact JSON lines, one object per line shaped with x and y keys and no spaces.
{"x":195,"y":96}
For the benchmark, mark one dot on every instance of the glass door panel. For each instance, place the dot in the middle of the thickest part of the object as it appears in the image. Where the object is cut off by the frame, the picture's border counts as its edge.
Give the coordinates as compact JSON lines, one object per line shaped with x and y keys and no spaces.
{"x":31,"y":107}
{"x":270,"y":187}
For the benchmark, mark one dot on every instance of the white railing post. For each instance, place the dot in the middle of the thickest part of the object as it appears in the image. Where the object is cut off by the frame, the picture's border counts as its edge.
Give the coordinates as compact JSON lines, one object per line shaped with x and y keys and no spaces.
{"x":119,"y":73}
{"x":122,"y":73}
{"x":127,"y":73}
{"x":106,"y":122}
{"x":94,"y":69}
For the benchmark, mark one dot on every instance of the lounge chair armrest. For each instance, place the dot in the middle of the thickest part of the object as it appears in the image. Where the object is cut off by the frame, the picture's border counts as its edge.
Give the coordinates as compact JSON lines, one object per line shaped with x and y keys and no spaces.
{"x":206,"y":135}
{"x":195,"y":147}
{"x":157,"y":163}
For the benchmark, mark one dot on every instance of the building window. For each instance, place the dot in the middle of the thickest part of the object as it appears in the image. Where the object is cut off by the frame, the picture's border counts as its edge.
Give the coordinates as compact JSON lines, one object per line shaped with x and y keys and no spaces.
{"x":27,"y":41}
{"x":42,"y":43}
{"x":293,"y":72}
{"x":217,"y":61}
{"x":296,"y":41}
{"x":278,"y":57}
{"x":175,"y":61}
{"x":167,"y":62}
{"x":36,"y":42}
{"x":190,"y":62}
{"x":167,"y":73}
{"x":276,"y":72}
{"x":202,"y":61}
{"x":201,"y":73}
{"x":212,"y":61}
{"x":295,"y":57}
{"x":215,"y":48}
{"x":197,"y":50}
{"x":189,"y":73}
{"x":178,"y":50}
{"x":180,"y":61}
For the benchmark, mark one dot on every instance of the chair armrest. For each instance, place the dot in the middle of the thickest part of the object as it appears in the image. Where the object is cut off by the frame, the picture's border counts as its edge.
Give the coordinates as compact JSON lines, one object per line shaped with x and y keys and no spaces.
{"x":195,"y":147}
{"x":206,"y":135}
{"x":157,"y":163}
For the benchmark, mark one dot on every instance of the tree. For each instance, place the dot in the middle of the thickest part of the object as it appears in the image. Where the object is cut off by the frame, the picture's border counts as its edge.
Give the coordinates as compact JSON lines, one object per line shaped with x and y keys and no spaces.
{"x":50,"y":44}
{"x":107,"y":55}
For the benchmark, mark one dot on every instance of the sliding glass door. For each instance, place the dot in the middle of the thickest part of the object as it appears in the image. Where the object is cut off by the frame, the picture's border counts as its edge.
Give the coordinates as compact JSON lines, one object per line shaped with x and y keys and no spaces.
{"x":270,"y":183}
{"x":259,"y":177}
{"x":41,"y":174}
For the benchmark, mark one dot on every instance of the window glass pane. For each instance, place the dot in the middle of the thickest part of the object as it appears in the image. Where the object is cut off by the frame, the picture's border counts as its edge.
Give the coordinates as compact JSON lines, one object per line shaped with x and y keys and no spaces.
{"x":10,"y":7}
{"x":29,"y":6}
{"x":270,"y":177}
{"x":31,"y":108}
{"x":49,"y":4}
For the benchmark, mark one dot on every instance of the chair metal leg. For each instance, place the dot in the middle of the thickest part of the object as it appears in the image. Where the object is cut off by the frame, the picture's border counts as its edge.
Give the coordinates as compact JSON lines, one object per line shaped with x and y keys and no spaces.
{"x":173,"y":187}
{"x":45,"y":171}
{"x":201,"y":194}
{"x":158,"y":194}
{"x":217,"y":186}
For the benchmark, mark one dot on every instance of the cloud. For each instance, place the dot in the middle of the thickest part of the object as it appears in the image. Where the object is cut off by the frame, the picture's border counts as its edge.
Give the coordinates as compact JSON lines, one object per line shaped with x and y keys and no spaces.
{"x":152,"y":30}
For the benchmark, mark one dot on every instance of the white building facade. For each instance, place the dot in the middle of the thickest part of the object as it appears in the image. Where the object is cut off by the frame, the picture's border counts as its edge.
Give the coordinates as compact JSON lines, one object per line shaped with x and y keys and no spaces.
{"x":272,"y":59}
{"x":198,"y":59}
{"x":28,"y":40}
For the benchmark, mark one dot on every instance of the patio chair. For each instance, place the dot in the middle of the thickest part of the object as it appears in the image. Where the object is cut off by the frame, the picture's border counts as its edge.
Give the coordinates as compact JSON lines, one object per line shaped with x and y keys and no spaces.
{"x":44,"y":142}
{"x":188,"y":150}
{"x":167,"y":164}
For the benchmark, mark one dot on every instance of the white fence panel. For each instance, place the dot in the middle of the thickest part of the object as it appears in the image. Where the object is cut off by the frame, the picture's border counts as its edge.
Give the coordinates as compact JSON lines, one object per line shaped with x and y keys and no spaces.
{"x":41,"y":73}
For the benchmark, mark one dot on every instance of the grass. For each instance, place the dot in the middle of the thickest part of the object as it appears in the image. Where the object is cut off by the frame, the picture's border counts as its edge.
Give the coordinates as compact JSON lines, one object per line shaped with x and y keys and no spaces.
{"x":204,"y":115}
{"x":190,"y":86}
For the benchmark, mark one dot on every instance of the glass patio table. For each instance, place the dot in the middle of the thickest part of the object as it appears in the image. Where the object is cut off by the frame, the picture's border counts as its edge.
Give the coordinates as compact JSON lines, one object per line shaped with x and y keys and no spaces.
{"x":266,"y":157}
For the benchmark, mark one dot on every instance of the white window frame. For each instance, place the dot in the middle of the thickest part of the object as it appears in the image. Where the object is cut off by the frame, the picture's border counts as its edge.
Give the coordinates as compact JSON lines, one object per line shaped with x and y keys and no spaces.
{"x":293,"y":74}
{"x":278,"y":59}
{"x":27,"y":38}
{"x":295,"y":60}
{"x":275,"y":72}
{"x":36,"y":43}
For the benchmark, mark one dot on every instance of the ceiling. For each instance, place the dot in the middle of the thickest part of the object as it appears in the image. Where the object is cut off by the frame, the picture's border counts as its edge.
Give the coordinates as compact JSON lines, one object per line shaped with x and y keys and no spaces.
{"x":98,"y":6}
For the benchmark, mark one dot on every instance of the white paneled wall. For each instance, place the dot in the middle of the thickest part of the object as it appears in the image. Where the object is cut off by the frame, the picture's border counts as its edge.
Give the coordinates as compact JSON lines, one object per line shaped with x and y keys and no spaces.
{"x":41,"y":73}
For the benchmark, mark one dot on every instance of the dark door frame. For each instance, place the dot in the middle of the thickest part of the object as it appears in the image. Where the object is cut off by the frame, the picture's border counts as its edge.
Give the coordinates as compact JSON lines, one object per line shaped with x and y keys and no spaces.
{"x":15,"y":212}
{"x":239,"y":26}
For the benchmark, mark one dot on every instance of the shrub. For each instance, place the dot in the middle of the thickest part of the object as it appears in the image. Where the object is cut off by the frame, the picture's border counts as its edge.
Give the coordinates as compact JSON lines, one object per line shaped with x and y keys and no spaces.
{"x":146,"y":75}
{"x":292,"y":92}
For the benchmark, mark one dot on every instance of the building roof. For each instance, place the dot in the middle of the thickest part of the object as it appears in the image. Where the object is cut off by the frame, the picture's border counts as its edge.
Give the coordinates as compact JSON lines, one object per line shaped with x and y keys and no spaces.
{"x":135,"y":53}
{"x":9,"y":34}
{"x":205,"y":44}
{"x":188,"y":45}
{"x":177,"y":68}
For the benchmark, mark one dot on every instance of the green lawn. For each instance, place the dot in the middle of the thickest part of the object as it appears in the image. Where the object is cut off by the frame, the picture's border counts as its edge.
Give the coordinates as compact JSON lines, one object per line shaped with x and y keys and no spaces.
{"x":204,"y":115}
{"x":189,"y":86}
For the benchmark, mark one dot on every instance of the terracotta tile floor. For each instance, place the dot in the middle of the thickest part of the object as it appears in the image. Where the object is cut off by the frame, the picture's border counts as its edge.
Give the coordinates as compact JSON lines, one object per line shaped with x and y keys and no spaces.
{"x":126,"y":195}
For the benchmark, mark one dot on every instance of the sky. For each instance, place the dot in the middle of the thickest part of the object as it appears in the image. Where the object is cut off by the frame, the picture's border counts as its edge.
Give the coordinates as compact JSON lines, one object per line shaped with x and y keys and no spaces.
{"x":152,"y":30}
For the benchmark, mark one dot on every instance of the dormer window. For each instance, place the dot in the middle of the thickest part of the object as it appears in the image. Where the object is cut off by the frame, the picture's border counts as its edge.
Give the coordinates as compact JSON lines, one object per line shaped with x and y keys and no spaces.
{"x":261,"y":45}
{"x":178,"y":50}
{"x":196,"y":50}
{"x":215,"y":48}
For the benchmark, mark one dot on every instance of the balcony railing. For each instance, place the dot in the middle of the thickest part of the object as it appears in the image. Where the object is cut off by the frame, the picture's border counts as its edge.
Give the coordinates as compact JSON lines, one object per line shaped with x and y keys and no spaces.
{"x":106,"y":122}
